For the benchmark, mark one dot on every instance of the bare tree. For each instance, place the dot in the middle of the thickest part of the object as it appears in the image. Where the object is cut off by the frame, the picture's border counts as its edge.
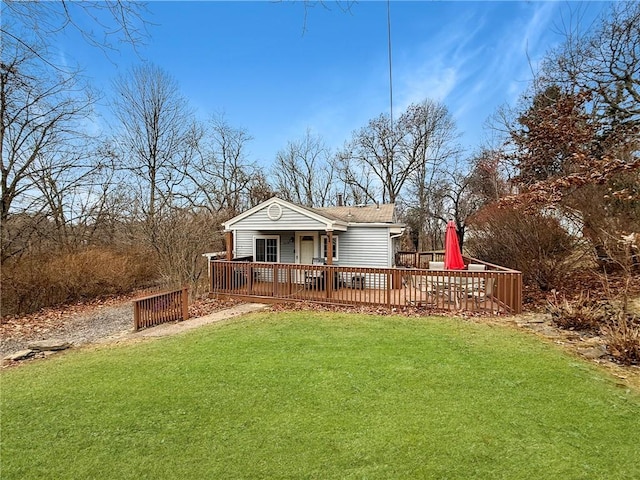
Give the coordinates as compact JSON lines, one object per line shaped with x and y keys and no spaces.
{"x":35,"y":26}
{"x":374,"y":150}
{"x":358,"y":185}
{"x":490,"y":176}
{"x":430,"y":143}
{"x":343,"y":5}
{"x":183,"y":233}
{"x":157,"y":137}
{"x":302,"y":172}
{"x":259,"y":190}
{"x":221,"y":174}
{"x":41,"y":114}
{"x":604,"y":60}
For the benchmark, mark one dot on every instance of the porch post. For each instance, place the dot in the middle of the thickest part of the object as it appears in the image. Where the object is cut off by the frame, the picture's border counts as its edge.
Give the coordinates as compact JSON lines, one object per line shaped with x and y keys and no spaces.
{"x":229,"y":242}
{"x":328,"y":279}
{"x":329,"y":247}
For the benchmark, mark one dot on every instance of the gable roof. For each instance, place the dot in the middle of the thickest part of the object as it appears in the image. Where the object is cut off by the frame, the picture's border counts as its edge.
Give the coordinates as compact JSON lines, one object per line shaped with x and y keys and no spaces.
{"x":329,"y":221}
{"x":334,"y":218}
{"x":384,"y":213}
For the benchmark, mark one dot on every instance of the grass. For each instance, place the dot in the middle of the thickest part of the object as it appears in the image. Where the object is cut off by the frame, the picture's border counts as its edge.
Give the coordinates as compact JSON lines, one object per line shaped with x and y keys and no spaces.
{"x":306,"y":395}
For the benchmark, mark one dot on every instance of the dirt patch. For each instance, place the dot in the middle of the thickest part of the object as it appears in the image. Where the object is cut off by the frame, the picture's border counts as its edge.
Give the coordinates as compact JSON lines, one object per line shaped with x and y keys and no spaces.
{"x":84,"y":323}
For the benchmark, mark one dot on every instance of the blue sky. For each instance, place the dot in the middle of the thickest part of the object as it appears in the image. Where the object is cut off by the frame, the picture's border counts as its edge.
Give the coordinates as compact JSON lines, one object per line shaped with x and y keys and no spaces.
{"x":276,"y":75}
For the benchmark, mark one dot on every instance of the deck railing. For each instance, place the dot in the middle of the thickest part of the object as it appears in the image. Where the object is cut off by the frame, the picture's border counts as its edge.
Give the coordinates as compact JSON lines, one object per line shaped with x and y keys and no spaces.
{"x":418,"y":259}
{"x":162,"y":307}
{"x":496,"y":289}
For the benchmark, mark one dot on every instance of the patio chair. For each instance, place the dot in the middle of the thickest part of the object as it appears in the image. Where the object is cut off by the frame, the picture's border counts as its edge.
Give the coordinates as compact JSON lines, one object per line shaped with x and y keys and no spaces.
{"x":475,"y":284}
{"x":484,"y":292}
{"x":424,"y":288}
{"x":476,"y":267}
{"x":314,"y":279}
{"x":436,"y":265}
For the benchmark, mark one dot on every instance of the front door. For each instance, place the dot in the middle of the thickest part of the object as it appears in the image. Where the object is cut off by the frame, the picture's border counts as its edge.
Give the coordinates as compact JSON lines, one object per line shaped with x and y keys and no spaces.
{"x":307,"y":250}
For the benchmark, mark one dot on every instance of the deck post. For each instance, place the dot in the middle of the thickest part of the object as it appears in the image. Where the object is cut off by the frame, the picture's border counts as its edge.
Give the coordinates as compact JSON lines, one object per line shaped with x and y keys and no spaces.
{"x":136,"y":316}
{"x":329,"y":251}
{"x":250,"y":279}
{"x":275,"y":279}
{"x":229,"y":242}
{"x":185,"y":303}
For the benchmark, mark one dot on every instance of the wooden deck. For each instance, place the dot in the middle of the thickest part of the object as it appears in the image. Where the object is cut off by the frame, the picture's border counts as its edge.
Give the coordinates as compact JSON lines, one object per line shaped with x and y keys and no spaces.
{"x":495,"y":290}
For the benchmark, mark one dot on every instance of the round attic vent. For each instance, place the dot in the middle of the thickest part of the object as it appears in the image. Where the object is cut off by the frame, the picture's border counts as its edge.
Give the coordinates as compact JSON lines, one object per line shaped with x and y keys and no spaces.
{"x":274,"y":212}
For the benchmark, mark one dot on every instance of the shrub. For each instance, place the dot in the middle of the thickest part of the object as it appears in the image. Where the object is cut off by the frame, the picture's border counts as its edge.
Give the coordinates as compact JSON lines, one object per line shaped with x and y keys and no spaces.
{"x":622,"y":336}
{"x":37,"y":281}
{"x":581,"y":314}
{"x":534,"y":243}
{"x":619,"y":329}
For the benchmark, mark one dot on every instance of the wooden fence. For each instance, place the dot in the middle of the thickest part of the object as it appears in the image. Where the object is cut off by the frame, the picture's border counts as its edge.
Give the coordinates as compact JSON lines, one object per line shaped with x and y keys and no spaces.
{"x":496,"y":289}
{"x":162,"y":307}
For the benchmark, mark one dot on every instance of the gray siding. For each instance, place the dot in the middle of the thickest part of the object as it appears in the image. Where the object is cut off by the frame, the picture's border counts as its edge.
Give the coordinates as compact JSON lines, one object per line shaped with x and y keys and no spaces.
{"x":357,"y":247}
{"x":244,"y":244}
{"x":364,"y":247}
{"x":290,"y":219}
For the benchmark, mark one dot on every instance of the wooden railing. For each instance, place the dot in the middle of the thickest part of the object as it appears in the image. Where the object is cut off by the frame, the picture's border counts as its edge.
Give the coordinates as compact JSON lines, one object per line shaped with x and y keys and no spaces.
{"x":162,"y":307}
{"x":418,"y":259}
{"x":496,"y":289}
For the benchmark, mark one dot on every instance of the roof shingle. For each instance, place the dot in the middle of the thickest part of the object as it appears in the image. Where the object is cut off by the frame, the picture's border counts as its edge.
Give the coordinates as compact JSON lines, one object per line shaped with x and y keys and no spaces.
{"x":360,"y":214}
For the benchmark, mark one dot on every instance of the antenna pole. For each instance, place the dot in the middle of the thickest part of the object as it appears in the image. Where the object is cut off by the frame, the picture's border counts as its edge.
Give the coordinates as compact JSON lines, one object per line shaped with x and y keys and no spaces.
{"x":390,"y":63}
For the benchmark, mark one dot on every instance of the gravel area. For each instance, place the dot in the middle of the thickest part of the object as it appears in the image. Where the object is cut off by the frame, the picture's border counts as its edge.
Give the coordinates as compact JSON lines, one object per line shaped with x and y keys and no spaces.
{"x":99,"y":324}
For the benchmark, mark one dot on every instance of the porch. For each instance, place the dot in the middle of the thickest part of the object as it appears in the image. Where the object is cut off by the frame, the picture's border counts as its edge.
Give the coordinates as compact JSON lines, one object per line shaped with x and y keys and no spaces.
{"x":494,"y":289}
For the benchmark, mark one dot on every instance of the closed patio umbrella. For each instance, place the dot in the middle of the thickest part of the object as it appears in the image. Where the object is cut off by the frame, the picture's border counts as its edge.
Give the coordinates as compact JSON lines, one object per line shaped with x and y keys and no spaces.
{"x":452,"y":254}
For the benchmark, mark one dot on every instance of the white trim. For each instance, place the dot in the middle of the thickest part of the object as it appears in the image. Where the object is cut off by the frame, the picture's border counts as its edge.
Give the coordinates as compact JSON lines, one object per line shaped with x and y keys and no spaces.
{"x":266,"y":237}
{"x":378,"y":224}
{"x":274,"y":211}
{"x":335,"y":238}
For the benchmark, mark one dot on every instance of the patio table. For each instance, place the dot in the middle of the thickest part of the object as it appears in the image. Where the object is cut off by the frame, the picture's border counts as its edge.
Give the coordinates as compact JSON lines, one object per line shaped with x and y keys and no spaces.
{"x":454,"y":287}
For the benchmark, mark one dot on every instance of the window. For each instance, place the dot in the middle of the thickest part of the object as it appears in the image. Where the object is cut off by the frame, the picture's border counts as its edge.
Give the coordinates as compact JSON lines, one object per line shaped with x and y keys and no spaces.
{"x":267,"y":249}
{"x":325,"y":240}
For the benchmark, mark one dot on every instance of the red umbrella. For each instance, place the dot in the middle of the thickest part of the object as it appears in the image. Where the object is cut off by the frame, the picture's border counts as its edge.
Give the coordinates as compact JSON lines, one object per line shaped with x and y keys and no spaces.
{"x":452,"y":255}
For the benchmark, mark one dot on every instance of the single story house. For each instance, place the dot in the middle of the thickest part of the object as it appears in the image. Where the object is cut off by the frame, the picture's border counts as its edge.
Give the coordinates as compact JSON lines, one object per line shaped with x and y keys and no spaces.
{"x":278,"y":231}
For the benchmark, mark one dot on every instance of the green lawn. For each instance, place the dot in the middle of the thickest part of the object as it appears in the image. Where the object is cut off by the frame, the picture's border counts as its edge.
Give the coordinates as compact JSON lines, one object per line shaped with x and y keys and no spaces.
{"x":310,"y":395}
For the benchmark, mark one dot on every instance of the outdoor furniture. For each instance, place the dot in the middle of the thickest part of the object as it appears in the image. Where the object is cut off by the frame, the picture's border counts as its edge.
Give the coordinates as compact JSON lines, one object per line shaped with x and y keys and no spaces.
{"x":314,"y":279}
{"x":476,"y":267}
{"x":475,"y":284}
{"x":436,"y":265}
{"x":358,"y":282}
{"x":450,"y":287}
{"x":484,"y":291}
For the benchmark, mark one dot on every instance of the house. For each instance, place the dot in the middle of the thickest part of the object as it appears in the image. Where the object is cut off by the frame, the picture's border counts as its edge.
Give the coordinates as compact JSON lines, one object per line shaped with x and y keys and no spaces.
{"x":279,"y":251}
{"x":278,"y":231}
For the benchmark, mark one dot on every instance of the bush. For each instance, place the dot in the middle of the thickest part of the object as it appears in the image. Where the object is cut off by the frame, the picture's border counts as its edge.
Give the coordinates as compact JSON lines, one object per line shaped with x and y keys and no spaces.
{"x":619,"y":329}
{"x":582,"y":314}
{"x":534,"y":243}
{"x":622,"y":336}
{"x":36,"y":281}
